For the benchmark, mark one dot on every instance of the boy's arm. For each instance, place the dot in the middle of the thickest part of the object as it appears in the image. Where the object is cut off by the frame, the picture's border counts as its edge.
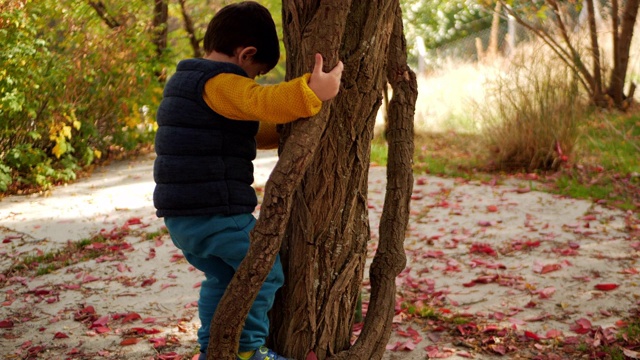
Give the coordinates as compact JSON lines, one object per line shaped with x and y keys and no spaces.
{"x":267,"y":137}
{"x":240,"y":98}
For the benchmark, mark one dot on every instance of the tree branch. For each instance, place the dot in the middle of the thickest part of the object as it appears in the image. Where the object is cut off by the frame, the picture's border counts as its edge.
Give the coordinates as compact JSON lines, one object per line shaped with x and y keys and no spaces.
{"x":101,"y":9}
{"x":571,"y":58}
{"x":595,"y":52}
{"x":188,"y":26}
{"x":390,"y":258}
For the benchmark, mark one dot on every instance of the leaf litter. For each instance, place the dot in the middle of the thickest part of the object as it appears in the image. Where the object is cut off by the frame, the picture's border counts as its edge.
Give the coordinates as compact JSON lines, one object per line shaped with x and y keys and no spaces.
{"x":489,"y":274}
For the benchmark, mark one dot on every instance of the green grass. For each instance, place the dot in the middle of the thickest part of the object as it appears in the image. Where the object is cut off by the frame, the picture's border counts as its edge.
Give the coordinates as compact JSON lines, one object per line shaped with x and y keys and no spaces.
{"x":613,"y":142}
{"x":426,"y":160}
{"x":631,"y":330}
{"x":423,"y":311}
{"x":604,"y":164}
{"x":572,"y":187}
{"x":155,"y":234}
{"x":72,"y":253}
{"x":379,"y":151}
{"x":46,"y":269}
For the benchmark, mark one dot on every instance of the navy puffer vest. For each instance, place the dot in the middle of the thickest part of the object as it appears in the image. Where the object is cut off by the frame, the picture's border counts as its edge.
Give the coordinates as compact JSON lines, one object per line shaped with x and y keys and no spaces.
{"x":204,"y":159}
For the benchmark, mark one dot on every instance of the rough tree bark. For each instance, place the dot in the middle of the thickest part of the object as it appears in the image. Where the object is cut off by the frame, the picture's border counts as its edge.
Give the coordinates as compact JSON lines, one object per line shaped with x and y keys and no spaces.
{"x":390,"y":257}
{"x":316,"y":197}
{"x":296,"y":155}
{"x":324,"y":248}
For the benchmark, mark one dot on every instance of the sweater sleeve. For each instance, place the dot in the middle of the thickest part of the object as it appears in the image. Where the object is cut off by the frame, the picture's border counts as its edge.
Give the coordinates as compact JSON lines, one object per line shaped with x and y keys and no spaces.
{"x":240,"y":98}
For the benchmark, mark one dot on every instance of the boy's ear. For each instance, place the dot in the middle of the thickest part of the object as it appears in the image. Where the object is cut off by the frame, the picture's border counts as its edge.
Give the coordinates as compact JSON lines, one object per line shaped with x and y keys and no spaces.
{"x":246,"y":53}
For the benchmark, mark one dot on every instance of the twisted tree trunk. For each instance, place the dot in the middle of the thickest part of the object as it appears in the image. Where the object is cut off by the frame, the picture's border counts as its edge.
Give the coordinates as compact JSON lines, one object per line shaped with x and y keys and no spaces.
{"x":324,"y":249}
{"x":316,"y":198}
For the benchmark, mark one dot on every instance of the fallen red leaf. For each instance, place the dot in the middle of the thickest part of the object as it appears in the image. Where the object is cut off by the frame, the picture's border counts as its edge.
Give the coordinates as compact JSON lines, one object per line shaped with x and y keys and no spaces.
{"x":158,"y":342}
{"x":170,"y":356}
{"x":500,"y":349}
{"x":89,"y":278}
{"x":482,"y":248}
{"x":133,"y":221}
{"x":129,"y":341}
{"x":143,"y":331}
{"x":630,"y":353}
{"x":582,"y":326}
{"x":549,"y":268}
{"x":532,"y":335}
{"x":60,"y":335}
{"x":102,"y":321}
{"x":606,"y":287}
{"x":546,"y":292}
{"x":434,"y":353}
{"x":101,"y":329}
{"x":6,"y":324}
{"x":631,"y":271}
{"x":553,"y":333}
{"x":131,"y":317}
{"x":148,"y":282}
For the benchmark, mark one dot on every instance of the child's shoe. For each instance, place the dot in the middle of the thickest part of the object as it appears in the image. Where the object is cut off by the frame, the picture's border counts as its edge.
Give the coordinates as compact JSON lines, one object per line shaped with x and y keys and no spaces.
{"x":264,"y":353}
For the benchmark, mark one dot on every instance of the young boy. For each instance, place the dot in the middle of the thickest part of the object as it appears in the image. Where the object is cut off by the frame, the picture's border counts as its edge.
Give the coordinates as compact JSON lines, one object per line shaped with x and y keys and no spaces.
{"x":208,"y":125}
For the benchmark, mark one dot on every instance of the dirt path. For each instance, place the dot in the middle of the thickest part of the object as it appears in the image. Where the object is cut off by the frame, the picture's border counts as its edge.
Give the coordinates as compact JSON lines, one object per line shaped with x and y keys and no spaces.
{"x":491,"y":270}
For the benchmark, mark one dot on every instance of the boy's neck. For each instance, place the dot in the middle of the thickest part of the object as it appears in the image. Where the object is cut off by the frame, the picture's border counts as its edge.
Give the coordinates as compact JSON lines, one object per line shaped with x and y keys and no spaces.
{"x":220,"y":57}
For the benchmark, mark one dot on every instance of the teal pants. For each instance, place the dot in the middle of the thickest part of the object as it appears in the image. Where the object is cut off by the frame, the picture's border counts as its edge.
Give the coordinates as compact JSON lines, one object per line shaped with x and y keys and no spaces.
{"x":216,"y":245}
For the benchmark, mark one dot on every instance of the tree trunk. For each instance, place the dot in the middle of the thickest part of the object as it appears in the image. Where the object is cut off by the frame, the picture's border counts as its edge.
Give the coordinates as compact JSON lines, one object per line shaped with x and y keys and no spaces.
{"x":623,"y":48}
{"x":160,"y":33}
{"x":324,"y":248}
{"x":160,"y":29}
{"x":315,"y":201}
{"x":295,"y":156}
{"x":595,"y":55}
{"x":191,"y":31}
{"x":390,"y":258}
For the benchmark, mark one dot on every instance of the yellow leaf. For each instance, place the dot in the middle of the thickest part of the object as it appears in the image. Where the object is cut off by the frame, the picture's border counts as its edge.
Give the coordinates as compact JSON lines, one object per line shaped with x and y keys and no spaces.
{"x":60,"y":148}
{"x":97,"y":153}
{"x":66,"y":131}
{"x":77,"y":124}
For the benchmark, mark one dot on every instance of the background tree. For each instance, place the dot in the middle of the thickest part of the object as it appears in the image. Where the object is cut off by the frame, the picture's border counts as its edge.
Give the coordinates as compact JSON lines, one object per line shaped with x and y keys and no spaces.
{"x":560,"y":37}
{"x":65,"y":101}
{"x":316,"y":198}
{"x":442,"y":22}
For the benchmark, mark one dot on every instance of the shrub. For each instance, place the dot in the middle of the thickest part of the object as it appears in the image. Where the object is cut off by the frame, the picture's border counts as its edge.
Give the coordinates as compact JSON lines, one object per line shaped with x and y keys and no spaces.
{"x":71,"y":87}
{"x":5,"y":177}
{"x":531,"y":114}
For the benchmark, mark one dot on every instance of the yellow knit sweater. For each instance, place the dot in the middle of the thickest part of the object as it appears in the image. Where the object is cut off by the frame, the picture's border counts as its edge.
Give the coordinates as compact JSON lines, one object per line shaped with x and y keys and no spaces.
{"x":241,"y":98}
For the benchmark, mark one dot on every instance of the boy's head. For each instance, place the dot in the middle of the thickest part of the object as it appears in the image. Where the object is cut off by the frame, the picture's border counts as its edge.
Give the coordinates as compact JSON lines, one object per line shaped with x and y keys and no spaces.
{"x":241,"y":25}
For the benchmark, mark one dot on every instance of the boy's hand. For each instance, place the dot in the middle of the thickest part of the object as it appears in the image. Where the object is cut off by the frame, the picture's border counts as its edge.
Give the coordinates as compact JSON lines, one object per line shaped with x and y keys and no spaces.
{"x":325,"y":85}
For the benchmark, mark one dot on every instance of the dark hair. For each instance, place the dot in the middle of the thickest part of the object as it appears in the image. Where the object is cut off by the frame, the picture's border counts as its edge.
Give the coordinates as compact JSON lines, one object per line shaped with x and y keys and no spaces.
{"x":240,"y":25}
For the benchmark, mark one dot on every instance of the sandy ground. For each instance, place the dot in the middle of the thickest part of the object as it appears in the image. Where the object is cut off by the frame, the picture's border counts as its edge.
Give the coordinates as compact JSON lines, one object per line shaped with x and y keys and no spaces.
{"x":538,"y":264}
